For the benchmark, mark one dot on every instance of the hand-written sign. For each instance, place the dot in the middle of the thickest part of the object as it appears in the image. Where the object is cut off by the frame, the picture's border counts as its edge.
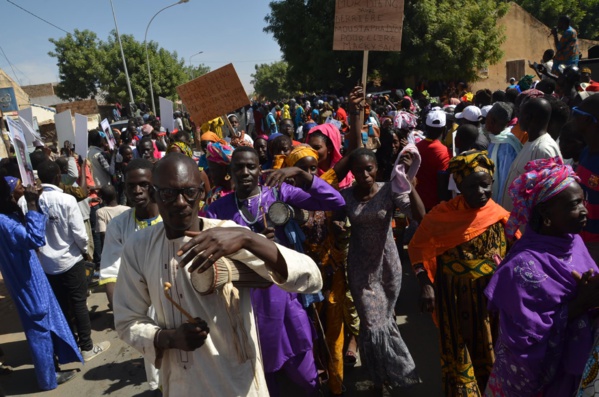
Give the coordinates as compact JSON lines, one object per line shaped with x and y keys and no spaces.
{"x":213,"y":94}
{"x":368,"y":25}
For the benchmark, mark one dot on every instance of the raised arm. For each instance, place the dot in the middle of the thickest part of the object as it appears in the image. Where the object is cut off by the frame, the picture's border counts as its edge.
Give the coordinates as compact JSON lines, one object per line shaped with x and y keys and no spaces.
{"x":356,"y":97}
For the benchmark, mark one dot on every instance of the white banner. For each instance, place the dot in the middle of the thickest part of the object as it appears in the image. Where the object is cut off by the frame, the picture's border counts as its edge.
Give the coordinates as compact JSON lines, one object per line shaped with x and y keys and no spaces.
{"x":64,"y":128}
{"x":166,"y":114}
{"x":81,"y":134}
{"x":32,"y":137}
{"x":108,"y":132}
{"x":18,"y":140}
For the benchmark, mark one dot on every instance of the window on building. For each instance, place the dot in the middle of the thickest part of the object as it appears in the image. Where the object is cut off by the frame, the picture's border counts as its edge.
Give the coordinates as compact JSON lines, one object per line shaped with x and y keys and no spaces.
{"x":516,"y":69}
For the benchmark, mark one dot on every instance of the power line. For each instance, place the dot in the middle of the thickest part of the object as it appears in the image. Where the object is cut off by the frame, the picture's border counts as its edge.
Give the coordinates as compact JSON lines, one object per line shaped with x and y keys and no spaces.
{"x":13,"y":69}
{"x":38,"y":17}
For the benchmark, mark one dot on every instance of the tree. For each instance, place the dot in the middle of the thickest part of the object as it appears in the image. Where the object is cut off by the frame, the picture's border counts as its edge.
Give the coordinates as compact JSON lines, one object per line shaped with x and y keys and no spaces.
{"x":89,"y":66}
{"x":270,"y":80}
{"x":80,"y":64}
{"x":584,"y":14}
{"x":442,"y":40}
{"x":167,"y":70}
{"x":196,"y":71}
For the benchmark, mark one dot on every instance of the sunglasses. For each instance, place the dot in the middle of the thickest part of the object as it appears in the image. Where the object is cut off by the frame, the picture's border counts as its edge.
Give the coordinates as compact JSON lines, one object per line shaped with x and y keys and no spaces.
{"x":168,"y":195}
{"x":577,"y":112}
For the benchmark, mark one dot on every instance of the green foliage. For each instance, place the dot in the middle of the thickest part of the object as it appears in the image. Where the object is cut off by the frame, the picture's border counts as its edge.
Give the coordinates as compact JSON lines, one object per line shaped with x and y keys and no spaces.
{"x":584,"y":14}
{"x":89,"y":66}
{"x":442,"y":40}
{"x":270,"y":80}
{"x":196,"y":71}
{"x":80,"y":64}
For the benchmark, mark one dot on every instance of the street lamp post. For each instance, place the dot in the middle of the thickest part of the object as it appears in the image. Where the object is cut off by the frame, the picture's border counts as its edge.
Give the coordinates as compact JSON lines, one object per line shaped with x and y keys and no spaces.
{"x":190,"y":65}
{"x":147,"y":54}
{"x":118,"y":36}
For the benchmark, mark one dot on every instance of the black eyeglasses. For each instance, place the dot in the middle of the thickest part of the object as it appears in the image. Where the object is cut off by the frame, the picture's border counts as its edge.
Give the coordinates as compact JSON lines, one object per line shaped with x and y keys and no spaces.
{"x":168,"y":195}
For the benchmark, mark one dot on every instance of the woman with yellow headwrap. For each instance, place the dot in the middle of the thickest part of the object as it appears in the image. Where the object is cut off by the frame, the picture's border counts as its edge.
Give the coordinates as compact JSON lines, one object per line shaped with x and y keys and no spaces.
{"x":454,"y":253}
{"x":329,"y":249}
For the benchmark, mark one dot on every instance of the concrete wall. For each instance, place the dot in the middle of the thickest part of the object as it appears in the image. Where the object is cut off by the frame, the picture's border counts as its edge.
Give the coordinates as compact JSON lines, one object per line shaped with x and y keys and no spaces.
{"x":526,"y":38}
{"x":88,"y":106}
{"x":39,"y":90}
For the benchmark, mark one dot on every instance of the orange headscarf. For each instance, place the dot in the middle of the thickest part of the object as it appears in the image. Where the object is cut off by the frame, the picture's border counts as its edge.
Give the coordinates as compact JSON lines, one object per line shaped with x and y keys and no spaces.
{"x":212,"y":137}
{"x":448,"y":225}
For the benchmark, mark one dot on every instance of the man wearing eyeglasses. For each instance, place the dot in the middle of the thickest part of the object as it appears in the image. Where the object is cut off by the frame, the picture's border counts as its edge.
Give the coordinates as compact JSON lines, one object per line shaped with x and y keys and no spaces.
{"x":586,"y":118}
{"x":203,"y":357}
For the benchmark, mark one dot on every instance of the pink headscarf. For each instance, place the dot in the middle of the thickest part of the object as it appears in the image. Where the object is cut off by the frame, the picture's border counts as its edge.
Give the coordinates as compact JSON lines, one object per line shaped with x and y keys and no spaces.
{"x":334,"y":135}
{"x":542,"y":180}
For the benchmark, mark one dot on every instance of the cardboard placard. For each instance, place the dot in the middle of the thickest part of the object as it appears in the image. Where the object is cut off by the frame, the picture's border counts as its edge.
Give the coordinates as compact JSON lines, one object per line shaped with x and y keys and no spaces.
{"x":213,"y":94}
{"x":18,"y":141}
{"x":81,"y":135}
{"x":64,"y":128}
{"x":368,"y":25}
{"x":108,"y":132}
{"x":166,"y":114}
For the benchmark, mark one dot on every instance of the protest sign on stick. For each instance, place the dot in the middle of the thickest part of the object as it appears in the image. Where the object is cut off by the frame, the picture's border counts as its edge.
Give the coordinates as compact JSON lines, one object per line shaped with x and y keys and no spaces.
{"x":32,"y":137}
{"x":64,"y":127}
{"x":81,"y":134}
{"x":108,"y":132}
{"x":18,"y":140}
{"x":213,"y":94}
{"x":166,"y":114}
{"x":368,"y":25}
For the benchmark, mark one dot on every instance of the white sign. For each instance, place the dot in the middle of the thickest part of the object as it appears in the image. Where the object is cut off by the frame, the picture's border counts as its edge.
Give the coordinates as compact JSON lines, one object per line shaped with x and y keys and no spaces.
{"x":18,"y":140}
{"x":108,"y":132}
{"x":64,"y":128}
{"x":81,"y":135}
{"x":166,"y":114}
{"x":32,"y":137}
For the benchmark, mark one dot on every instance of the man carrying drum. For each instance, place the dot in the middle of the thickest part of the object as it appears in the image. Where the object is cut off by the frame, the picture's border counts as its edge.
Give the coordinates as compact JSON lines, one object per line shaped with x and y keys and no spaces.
{"x":202,"y":352}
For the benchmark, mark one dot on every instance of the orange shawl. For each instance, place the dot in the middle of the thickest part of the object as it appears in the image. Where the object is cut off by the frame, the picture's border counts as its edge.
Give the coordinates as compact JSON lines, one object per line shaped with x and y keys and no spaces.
{"x":448,"y":225}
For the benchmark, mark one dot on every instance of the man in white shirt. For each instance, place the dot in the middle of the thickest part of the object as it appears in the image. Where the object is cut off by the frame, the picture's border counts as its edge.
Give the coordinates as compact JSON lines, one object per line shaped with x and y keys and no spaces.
{"x":219,"y":354}
{"x":61,"y":257}
{"x":533,"y":118}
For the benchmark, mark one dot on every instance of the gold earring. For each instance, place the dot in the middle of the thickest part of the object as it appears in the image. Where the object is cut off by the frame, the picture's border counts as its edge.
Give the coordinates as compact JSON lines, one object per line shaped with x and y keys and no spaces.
{"x":547,"y":222}
{"x":227,"y":177}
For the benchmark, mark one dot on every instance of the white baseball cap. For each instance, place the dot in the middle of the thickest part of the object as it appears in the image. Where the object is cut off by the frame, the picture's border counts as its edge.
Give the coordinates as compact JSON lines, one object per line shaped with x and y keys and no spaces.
{"x":470,"y":113}
{"x":485,"y":110}
{"x":436,"y":117}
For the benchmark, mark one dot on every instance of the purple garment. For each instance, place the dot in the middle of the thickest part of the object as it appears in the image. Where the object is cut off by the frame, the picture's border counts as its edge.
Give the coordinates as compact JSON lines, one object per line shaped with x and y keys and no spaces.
{"x":538,"y":352}
{"x":283,"y":324}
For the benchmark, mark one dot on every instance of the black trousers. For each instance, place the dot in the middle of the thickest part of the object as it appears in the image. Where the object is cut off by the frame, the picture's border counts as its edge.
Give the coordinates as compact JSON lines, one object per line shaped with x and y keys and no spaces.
{"x":70,"y":289}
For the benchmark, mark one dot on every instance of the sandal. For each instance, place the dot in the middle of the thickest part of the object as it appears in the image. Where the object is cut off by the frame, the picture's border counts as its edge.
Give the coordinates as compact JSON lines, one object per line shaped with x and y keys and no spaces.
{"x":350,"y":358}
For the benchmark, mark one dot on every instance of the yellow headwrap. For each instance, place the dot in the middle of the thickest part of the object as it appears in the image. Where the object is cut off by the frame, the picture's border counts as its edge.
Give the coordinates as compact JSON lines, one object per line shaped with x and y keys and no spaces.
{"x":469,"y":162}
{"x":298,"y":153}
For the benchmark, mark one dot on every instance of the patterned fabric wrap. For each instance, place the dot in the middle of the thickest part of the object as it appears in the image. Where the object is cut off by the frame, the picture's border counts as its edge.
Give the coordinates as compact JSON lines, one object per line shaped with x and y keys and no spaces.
{"x":470,"y":162}
{"x":542,"y":180}
{"x":185,"y":149}
{"x":298,"y":153}
{"x":405,"y":120}
{"x":219,"y":153}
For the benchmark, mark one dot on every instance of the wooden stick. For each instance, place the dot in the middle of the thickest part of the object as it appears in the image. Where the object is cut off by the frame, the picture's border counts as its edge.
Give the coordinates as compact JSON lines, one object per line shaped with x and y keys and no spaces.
{"x":190,"y":318}
{"x":364,"y":78}
{"x":264,"y":217}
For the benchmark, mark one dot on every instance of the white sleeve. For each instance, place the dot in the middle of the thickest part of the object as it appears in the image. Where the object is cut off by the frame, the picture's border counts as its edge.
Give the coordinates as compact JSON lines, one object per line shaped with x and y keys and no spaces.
{"x":131,"y":303}
{"x":72,"y":170}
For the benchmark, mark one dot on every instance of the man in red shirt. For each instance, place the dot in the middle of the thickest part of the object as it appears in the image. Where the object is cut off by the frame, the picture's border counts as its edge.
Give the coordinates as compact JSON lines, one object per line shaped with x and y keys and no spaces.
{"x":435,"y":158}
{"x":340,"y":114}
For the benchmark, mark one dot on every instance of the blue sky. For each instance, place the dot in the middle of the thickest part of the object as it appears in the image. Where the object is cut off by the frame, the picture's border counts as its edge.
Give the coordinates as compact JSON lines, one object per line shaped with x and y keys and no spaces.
{"x":227,"y":31}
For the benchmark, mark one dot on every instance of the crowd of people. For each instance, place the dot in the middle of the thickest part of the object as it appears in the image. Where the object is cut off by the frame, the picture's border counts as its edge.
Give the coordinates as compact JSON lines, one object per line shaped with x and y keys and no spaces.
{"x":490,"y":198}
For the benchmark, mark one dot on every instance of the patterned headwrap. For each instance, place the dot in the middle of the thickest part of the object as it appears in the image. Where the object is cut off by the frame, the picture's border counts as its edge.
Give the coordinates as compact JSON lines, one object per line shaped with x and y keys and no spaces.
{"x":185,"y":149}
{"x":298,"y":153}
{"x":470,"y":162}
{"x":542,"y":179}
{"x":219,"y":153}
{"x":212,"y":137}
{"x":14,"y":182}
{"x":405,"y":120}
